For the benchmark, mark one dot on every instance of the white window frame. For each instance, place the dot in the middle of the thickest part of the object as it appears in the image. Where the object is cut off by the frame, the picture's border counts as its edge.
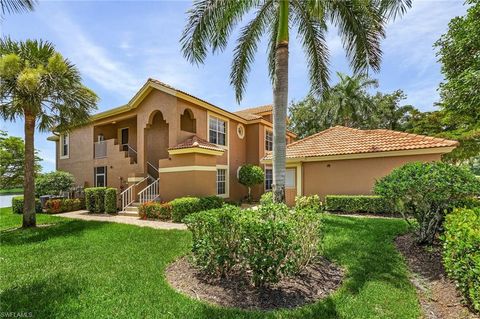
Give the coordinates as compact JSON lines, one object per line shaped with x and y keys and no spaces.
{"x":290,"y":170}
{"x":227,"y":181}
{"x":217,"y":118}
{"x":64,"y":141}
{"x":266,"y":141}
{"x":95,"y":174}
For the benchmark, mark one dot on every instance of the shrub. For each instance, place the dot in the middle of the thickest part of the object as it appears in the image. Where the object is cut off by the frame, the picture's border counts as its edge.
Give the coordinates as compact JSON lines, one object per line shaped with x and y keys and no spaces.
{"x":54,"y":183}
{"x":101,"y":199}
{"x":55,"y":206}
{"x":262,"y":245}
{"x":110,"y":200}
{"x":266,"y":198}
{"x":249,"y":176}
{"x":211,"y":202}
{"x":357,"y":204}
{"x":310,"y":202}
{"x":461,"y":252}
{"x":17,"y":205}
{"x":184,"y":206}
{"x":152,"y":210}
{"x":427,"y":191}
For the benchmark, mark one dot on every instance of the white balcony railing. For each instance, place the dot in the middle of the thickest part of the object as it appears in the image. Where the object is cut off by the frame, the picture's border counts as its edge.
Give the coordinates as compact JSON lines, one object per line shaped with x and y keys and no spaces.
{"x":100,"y":149}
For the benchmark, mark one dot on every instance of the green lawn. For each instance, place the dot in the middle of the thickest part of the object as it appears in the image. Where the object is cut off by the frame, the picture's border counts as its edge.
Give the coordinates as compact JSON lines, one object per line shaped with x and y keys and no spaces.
{"x":79,"y":269}
{"x":11,"y":191}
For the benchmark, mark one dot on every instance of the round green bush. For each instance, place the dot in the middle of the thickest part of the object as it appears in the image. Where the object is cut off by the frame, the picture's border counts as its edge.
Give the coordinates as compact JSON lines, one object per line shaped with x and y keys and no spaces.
{"x":250,"y":175}
{"x":54,"y":183}
{"x":427,"y":191}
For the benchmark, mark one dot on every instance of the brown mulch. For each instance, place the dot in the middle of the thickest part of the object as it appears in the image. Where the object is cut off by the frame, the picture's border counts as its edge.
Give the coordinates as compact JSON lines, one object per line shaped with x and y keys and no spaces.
{"x":438,"y":295}
{"x":316,"y":282}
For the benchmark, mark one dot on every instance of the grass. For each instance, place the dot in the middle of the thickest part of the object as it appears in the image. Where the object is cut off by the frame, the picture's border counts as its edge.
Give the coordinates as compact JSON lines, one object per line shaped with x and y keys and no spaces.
{"x":11,"y":191}
{"x":80,"y":269}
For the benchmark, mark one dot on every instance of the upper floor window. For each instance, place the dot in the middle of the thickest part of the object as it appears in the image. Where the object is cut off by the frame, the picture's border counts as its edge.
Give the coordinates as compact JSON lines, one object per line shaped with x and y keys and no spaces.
{"x":268,"y":140}
{"x":64,"y":145}
{"x":187,"y":121}
{"x":217,"y":131}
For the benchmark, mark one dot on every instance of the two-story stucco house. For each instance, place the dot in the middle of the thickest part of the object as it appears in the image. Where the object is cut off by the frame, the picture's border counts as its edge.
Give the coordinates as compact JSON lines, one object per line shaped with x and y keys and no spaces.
{"x":167,"y":143}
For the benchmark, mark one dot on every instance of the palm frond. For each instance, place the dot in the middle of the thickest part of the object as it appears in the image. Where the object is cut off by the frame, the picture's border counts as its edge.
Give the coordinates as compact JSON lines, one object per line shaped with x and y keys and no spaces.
{"x":391,"y":9}
{"x":209,"y":24}
{"x":311,"y":31}
{"x":17,"y":6}
{"x":246,"y":48}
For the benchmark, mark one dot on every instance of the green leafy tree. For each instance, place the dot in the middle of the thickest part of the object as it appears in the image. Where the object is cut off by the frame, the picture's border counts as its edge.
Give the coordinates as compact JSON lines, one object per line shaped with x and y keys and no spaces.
{"x":45,"y":90}
{"x":305,"y":117}
{"x":17,"y":6}
{"x":349,"y":103}
{"x":54,"y":183}
{"x":389,"y":113}
{"x":12,"y":161}
{"x":360,"y":24}
{"x":249,"y":176}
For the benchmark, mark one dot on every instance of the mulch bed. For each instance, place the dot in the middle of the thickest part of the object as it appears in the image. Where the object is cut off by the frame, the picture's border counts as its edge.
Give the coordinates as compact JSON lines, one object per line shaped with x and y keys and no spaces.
{"x":316,"y":282}
{"x":438,"y":295}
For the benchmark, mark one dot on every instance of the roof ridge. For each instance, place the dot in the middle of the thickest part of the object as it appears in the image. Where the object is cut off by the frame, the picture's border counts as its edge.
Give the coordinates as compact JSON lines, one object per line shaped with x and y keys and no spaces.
{"x":313,"y":135}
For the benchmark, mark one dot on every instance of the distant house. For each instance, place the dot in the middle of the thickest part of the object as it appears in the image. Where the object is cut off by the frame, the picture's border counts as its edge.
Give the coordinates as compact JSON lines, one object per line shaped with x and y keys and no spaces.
{"x":347,"y":161}
{"x":166,"y":143}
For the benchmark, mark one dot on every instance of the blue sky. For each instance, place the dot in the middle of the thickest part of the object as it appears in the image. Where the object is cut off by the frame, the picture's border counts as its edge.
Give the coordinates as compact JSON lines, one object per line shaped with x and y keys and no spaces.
{"x":118,"y":45}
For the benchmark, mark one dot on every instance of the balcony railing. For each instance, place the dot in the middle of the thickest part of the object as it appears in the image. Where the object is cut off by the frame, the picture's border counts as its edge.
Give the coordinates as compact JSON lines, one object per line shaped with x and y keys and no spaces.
{"x":100,"y":149}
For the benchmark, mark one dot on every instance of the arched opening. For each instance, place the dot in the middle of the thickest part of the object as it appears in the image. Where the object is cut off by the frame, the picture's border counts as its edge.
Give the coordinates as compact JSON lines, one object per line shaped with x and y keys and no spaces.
{"x":188,"y":122}
{"x":156,"y":141}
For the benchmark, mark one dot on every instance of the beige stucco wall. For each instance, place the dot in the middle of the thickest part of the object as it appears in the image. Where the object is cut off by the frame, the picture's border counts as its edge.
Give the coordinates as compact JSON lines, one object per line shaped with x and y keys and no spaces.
{"x":354,"y":176}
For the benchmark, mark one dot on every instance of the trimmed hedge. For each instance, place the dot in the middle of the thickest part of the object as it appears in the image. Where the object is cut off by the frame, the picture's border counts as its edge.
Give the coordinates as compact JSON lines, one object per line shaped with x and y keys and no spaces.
{"x":357,"y":204}
{"x":152,"y":210}
{"x":461,"y":252}
{"x":310,"y":202}
{"x":17,"y":205}
{"x":261,"y":245}
{"x":101,"y":200}
{"x":55,"y":206}
{"x":184,"y":206}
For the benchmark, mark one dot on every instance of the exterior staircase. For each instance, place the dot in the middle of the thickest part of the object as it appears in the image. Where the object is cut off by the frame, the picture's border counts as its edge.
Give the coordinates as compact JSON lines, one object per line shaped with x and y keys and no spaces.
{"x":150,"y":193}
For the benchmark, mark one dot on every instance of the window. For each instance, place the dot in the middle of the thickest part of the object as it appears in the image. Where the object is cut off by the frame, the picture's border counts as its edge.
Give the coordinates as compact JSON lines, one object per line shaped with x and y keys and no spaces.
{"x":217,"y":131}
{"x":221,"y":181}
{"x":64,"y":146}
{"x":290,"y":178}
{"x":268,"y":141}
{"x":240,"y":131}
{"x":268,"y":179}
{"x":100,"y":176}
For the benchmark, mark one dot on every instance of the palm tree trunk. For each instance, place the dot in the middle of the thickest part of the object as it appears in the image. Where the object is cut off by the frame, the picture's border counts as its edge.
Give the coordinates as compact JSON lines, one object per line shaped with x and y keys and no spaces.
{"x":280,"y":100}
{"x":29,"y":219}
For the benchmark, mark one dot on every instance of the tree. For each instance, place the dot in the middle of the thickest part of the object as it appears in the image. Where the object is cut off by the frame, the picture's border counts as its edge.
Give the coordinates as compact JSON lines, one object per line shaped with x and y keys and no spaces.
{"x":17,"y":6}
{"x":348,"y":103}
{"x":54,"y":183}
{"x":305,"y":117}
{"x":389,"y":113}
{"x":249,"y":176}
{"x":44,"y":89}
{"x":361,"y":25}
{"x":12,"y":160}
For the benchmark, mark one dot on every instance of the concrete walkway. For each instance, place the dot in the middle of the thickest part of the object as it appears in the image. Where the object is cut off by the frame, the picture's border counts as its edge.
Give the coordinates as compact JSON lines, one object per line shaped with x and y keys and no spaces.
{"x":84,"y":215}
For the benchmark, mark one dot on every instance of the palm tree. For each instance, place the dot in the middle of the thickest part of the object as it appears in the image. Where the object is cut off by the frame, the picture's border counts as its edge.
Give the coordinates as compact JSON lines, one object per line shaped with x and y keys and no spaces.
{"x":45,"y":89}
{"x":17,"y":6}
{"x":360,"y":25}
{"x":349,"y":103}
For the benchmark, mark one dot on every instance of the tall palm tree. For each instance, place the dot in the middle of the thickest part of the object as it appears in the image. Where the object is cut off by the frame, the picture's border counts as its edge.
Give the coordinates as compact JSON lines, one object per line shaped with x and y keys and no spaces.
{"x":348,"y":102}
{"x":17,"y":6}
{"x":360,"y":24}
{"x":44,"y":89}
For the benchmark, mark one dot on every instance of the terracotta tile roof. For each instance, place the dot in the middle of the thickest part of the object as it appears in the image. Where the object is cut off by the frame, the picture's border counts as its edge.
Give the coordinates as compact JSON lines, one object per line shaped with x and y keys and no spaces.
{"x":340,"y":140}
{"x":252,"y":113}
{"x":196,"y":141}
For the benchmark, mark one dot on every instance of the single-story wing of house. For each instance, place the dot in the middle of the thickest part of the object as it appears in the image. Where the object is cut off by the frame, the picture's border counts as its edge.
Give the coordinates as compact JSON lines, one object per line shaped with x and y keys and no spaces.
{"x":348,"y":161}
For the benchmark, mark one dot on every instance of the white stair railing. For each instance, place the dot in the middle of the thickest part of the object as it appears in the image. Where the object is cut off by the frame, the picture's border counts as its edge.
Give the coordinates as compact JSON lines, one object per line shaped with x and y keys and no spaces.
{"x":149,"y":193}
{"x":128,"y":195}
